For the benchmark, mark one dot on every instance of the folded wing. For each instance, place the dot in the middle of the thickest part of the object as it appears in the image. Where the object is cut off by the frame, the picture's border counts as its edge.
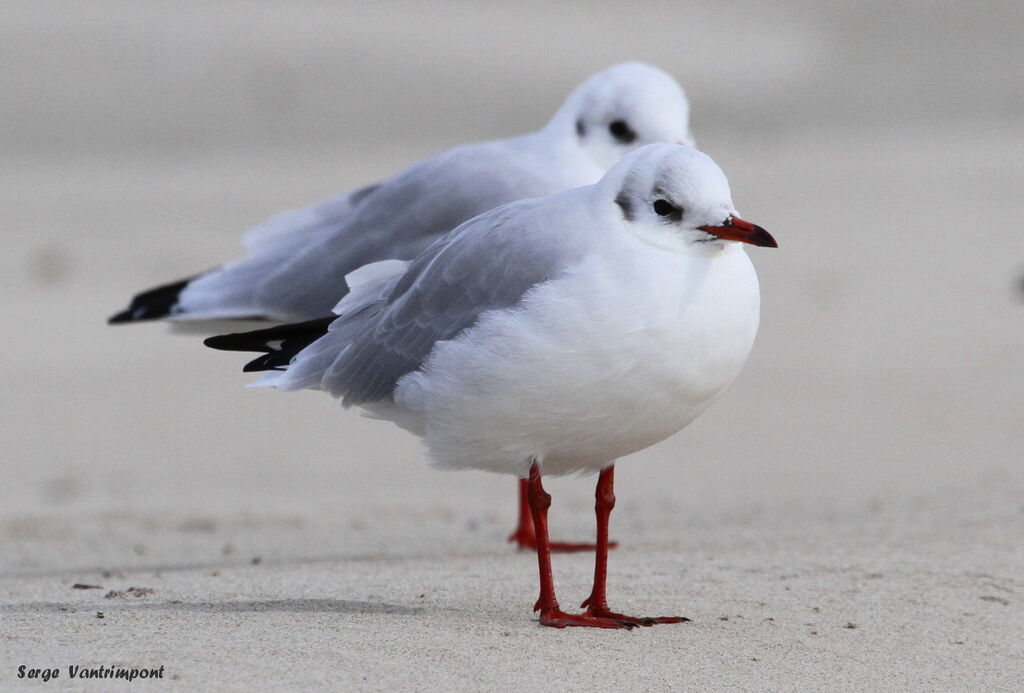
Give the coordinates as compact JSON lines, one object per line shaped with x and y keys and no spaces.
{"x":488,"y":263}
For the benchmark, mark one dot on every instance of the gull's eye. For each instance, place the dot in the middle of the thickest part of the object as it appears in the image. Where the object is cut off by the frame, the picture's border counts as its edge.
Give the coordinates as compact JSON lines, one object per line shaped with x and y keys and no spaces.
{"x":621,"y":131}
{"x":664,"y":208}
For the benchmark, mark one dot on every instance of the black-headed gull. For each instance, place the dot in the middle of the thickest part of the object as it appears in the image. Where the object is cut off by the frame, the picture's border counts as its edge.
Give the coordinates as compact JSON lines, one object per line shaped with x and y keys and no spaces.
{"x":297,"y":261}
{"x":548,"y":335}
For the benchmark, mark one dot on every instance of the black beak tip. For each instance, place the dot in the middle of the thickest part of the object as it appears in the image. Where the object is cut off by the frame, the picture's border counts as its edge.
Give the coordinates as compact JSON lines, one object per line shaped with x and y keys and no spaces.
{"x":765,"y":239}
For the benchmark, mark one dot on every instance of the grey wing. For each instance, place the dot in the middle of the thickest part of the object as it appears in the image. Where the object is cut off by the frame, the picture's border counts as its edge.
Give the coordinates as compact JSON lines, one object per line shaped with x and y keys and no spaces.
{"x":301,"y":223}
{"x":398,"y":219}
{"x":231,"y":291}
{"x":487,"y":264}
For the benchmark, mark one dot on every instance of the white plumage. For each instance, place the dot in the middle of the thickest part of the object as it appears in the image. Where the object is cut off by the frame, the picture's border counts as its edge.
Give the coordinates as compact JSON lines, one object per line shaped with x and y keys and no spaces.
{"x":554,"y":330}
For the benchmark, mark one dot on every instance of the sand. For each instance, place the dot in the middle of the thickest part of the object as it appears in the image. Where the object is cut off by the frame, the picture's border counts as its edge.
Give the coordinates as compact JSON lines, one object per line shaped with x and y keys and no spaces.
{"x":849,"y":516}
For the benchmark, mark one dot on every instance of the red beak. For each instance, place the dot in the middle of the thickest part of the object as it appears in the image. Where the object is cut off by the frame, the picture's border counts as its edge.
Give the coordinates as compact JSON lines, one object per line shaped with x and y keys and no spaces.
{"x":736,"y":229}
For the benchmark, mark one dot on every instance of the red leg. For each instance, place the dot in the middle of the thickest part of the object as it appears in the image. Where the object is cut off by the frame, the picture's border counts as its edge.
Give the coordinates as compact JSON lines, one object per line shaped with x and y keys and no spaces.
{"x":525,"y":536}
{"x":597,"y":603}
{"x":550,"y":615}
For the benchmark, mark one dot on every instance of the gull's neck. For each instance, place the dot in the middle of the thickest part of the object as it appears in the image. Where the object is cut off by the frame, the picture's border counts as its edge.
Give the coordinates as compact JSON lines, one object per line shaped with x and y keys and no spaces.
{"x":559,"y":142}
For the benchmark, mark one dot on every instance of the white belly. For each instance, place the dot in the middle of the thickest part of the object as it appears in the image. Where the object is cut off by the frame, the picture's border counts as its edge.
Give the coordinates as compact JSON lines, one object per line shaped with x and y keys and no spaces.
{"x":619,"y":355}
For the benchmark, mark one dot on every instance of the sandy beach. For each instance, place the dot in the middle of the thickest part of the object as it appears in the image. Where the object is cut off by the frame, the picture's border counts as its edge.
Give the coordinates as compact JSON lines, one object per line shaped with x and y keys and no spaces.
{"x":849,"y":516}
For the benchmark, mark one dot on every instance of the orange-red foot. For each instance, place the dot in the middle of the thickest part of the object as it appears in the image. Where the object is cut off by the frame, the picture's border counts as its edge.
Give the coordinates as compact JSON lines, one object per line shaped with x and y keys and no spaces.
{"x":556,"y":618}
{"x":635,"y":620}
{"x":527,"y":541}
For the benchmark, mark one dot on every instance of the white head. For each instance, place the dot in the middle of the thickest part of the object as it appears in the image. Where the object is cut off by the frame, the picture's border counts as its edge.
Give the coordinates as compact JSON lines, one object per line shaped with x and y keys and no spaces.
{"x":676,"y":197}
{"x":623,"y":108}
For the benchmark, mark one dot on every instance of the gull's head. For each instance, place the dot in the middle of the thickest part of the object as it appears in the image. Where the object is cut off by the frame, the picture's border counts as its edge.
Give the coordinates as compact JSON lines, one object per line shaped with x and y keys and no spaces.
{"x":621,"y":109}
{"x":676,"y":197}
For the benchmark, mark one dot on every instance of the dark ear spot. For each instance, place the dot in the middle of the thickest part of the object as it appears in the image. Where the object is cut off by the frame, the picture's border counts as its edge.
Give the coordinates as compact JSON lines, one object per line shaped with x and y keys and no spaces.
{"x":627,"y":207}
{"x":581,"y":129}
{"x":621,"y":131}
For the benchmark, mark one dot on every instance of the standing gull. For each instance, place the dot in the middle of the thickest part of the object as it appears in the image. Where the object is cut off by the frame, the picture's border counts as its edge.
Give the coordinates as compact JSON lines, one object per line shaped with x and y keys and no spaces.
{"x":549,"y":335}
{"x":297,"y":261}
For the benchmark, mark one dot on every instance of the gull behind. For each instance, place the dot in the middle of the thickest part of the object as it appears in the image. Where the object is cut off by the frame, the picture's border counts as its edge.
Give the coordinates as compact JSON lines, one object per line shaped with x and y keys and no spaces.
{"x":297,"y":261}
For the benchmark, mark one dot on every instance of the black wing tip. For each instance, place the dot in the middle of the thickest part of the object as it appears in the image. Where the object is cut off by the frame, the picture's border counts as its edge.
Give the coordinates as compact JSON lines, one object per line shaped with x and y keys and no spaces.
{"x":137,"y":314}
{"x":153,"y":304}
{"x":221,"y":342}
{"x":288,"y":341}
{"x":238,"y":341}
{"x":267,"y":362}
{"x":120,"y":318}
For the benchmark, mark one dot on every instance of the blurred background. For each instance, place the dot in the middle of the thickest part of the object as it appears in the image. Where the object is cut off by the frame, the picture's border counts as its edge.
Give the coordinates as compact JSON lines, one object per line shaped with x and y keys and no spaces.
{"x":881,"y":143}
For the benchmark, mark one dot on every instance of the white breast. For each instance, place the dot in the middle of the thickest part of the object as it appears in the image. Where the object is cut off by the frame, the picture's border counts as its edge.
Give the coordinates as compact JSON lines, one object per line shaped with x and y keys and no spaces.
{"x":619,"y":354}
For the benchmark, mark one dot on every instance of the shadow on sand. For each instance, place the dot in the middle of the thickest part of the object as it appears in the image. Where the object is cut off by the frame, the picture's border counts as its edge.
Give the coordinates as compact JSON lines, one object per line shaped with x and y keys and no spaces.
{"x":336,"y":606}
